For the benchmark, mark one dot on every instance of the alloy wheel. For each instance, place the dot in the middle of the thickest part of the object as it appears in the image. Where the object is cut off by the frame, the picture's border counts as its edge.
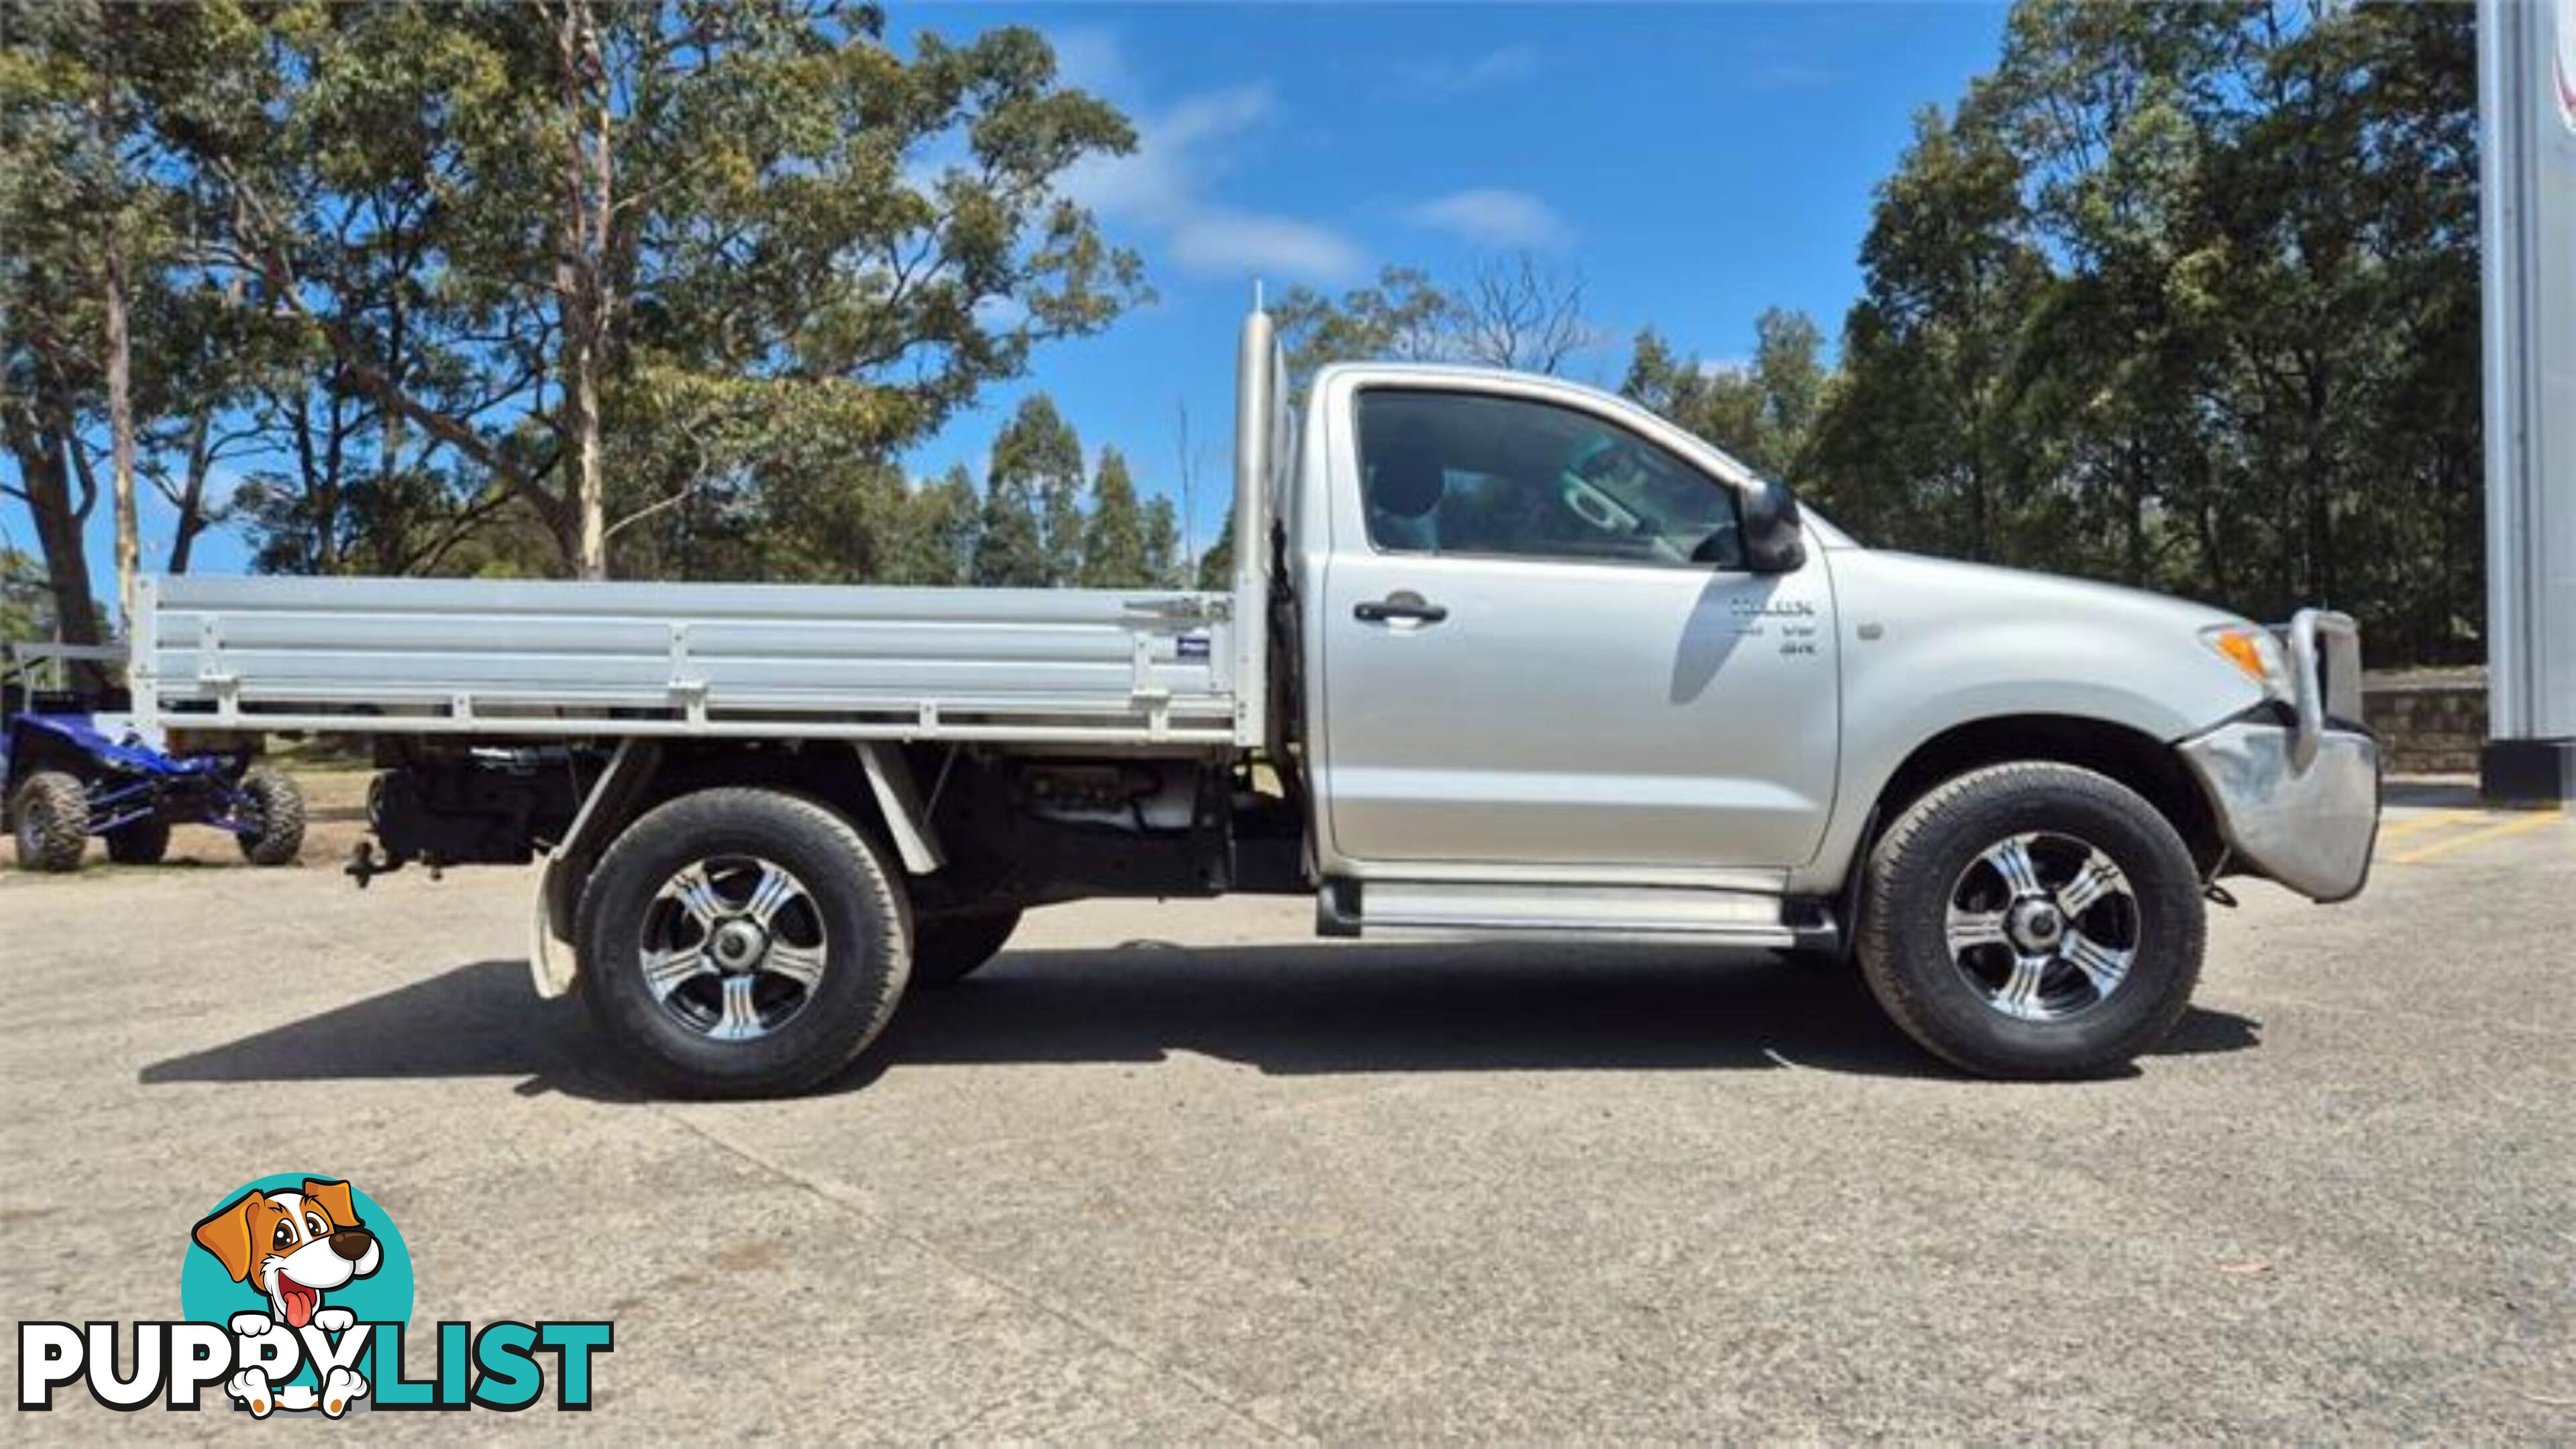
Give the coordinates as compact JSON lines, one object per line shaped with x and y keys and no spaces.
{"x":2043,"y":925}
{"x":733,"y":947}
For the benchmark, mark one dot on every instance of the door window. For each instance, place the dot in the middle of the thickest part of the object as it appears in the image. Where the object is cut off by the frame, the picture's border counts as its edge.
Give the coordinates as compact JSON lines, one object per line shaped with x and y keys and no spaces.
{"x":1462,"y":473}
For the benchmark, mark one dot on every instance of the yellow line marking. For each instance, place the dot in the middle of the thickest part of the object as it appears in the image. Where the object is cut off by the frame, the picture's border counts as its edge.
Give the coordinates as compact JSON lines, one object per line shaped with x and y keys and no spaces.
{"x":2421,"y":822}
{"x":2533,"y":821}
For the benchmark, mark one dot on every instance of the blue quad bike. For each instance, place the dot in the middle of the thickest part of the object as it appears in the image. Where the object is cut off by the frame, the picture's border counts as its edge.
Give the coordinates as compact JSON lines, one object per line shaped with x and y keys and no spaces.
{"x":66,"y":774}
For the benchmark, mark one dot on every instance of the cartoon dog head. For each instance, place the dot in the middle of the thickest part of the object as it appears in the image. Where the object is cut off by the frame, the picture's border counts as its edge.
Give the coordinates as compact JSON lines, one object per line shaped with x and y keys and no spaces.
{"x":292,"y":1246}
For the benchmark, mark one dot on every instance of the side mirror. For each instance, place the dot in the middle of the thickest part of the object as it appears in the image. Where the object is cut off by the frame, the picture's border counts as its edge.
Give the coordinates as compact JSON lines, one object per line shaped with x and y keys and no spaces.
{"x":1773,"y":541}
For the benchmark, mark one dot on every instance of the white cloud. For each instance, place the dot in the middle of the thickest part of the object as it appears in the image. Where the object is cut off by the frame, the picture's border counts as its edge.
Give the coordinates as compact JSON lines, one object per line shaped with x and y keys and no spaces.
{"x":1494,"y":217}
{"x":1220,"y":243}
{"x":1177,"y":153}
{"x":1456,"y":75}
{"x":1088,"y":57}
{"x":1165,"y":186}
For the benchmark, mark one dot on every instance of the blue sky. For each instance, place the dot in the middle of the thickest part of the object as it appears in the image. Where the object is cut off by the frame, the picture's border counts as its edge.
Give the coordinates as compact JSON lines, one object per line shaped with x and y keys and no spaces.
{"x":1692,"y":164}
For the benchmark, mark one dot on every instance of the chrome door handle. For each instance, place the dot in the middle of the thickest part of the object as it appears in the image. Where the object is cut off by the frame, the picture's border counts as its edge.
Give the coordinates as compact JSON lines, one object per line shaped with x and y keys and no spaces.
{"x":1403,"y":605}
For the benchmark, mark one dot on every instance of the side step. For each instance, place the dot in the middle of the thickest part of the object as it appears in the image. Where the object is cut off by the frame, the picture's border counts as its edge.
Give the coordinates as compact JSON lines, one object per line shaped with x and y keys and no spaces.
{"x":1736,"y":918}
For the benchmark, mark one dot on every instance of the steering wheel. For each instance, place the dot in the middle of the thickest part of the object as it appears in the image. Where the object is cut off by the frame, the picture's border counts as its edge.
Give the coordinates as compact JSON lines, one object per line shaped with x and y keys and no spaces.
{"x":1595,"y":507}
{"x":1722,"y":545}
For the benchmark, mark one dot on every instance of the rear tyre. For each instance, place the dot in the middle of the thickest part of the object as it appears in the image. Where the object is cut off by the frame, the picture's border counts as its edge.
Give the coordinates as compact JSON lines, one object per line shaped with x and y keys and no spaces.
{"x":142,"y":843}
{"x":52,"y":813}
{"x":279,"y":802}
{"x":948,"y":949}
{"x":742,"y":942}
{"x":2032,"y":920}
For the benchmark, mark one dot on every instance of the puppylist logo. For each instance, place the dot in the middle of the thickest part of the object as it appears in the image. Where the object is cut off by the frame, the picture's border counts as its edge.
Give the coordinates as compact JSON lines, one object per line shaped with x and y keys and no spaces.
{"x":296,"y":1290}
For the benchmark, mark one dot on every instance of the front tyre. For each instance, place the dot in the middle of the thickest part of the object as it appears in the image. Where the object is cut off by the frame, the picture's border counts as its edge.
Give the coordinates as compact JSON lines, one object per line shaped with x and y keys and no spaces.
{"x":742,"y":942}
{"x":2032,"y":920}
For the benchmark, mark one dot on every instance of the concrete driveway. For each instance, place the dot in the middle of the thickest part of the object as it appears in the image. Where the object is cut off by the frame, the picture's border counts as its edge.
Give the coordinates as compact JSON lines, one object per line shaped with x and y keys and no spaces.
{"x":1183,"y":1173}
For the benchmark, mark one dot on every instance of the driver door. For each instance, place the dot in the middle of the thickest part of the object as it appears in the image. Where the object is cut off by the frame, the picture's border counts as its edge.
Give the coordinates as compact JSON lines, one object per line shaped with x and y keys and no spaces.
{"x":1544,"y":650}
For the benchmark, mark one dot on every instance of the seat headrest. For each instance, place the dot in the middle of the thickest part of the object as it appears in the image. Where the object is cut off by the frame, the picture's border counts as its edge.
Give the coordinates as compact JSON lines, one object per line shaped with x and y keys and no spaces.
{"x":1404,"y":469}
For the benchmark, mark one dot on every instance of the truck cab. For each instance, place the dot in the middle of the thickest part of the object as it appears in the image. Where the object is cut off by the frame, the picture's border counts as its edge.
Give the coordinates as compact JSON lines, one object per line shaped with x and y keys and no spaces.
{"x":1553,"y":640}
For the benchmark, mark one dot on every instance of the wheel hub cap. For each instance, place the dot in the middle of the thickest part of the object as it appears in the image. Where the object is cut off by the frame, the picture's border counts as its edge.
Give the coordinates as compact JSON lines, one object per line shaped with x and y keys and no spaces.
{"x":738,"y":945}
{"x":2043,"y":926}
{"x":733,"y":947}
{"x":2036,"y":925}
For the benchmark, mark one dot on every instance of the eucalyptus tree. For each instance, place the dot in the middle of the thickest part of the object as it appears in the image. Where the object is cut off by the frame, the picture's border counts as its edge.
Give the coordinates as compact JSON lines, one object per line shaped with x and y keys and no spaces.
{"x":1163,"y":553}
{"x":1762,"y":411}
{"x":1509,"y":311}
{"x":1920,"y":441}
{"x":939,"y":541}
{"x":1037,"y":469}
{"x":110,"y":351}
{"x":649,"y":251}
{"x":1114,"y":547}
{"x":2186,"y":295}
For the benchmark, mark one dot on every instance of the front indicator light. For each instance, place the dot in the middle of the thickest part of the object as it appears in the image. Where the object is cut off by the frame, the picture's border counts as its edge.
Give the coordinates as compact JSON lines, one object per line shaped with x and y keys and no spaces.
{"x":2255,"y":654}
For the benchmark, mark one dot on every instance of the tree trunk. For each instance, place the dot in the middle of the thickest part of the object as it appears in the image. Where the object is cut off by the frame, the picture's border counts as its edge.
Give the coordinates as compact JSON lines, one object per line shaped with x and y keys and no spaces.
{"x":191,"y":501}
{"x":1977,"y":549}
{"x":390,"y":419}
{"x":202,"y":447}
{"x":592,"y":562}
{"x":2320,"y":521}
{"x":120,"y":401}
{"x":581,"y":276}
{"x":2133,"y":507}
{"x":120,"y":426}
{"x":44,"y":472}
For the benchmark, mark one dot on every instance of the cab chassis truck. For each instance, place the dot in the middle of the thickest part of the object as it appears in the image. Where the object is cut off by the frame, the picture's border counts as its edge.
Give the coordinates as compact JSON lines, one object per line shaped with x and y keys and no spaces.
{"x":1503,"y":657}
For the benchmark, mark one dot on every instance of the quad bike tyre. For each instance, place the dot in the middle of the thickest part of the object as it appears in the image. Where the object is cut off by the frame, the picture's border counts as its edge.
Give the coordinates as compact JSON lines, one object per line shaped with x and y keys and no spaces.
{"x":144,"y":842}
{"x":52,"y":814}
{"x":280,"y":837}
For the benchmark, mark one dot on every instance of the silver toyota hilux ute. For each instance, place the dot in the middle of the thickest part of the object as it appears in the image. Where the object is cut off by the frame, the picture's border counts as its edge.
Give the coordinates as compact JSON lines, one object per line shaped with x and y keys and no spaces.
{"x":1501,"y":656}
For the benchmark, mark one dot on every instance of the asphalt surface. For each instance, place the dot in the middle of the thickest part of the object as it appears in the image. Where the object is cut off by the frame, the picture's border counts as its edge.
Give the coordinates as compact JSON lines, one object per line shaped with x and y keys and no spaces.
{"x":1183,"y":1173}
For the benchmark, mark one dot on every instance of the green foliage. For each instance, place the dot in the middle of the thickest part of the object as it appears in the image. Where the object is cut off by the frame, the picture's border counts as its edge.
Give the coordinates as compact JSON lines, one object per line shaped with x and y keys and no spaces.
{"x":26,"y":598}
{"x":1114,"y":549}
{"x":1405,"y":317}
{"x":1163,"y":563}
{"x":1917,"y":444}
{"x":937,"y":542}
{"x":96,"y":222}
{"x":1036,"y":473}
{"x":2187,"y":297}
{"x":1009,"y":552}
{"x":660,"y":274}
{"x":1216,"y":563}
{"x":1508,"y":312}
{"x":1762,"y":413}
{"x":1039,"y":456}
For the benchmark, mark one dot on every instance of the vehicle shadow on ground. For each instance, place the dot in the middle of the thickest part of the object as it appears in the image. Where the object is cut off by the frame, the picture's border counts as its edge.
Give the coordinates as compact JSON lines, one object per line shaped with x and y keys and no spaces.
{"x":1284,"y":1010}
